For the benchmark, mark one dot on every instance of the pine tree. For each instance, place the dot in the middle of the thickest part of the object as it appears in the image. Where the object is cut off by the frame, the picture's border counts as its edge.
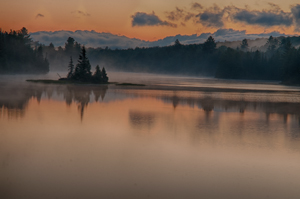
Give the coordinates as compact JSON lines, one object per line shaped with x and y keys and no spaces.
{"x":177,"y":42}
{"x":272,"y":44}
{"x":104,"y":75}
{"x":209,"y":45}
{"x":69,"y":46}
{"x":97,"y":77}
{"x":244,"y":45}
{"x":83,"y":68}
{"x":70,"y":68}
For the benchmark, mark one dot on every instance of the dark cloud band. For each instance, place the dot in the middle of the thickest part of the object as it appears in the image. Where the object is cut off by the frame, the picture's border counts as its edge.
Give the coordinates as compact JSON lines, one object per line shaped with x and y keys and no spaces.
{"x":144,"y":19}
{"x":215,"y":16}
{"x":264,"y":18}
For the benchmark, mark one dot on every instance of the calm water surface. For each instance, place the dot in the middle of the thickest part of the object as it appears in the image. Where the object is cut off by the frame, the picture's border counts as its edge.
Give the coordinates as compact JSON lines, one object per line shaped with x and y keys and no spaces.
{"x":84,"y":141}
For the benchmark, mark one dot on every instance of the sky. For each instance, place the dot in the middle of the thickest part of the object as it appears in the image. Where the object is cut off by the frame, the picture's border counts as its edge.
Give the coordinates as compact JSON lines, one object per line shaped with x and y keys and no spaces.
{"x":151,"y":20}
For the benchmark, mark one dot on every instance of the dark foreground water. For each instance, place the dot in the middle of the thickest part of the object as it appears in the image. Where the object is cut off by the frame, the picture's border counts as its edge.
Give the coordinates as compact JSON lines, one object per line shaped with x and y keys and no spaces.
{"x":69,"y":142}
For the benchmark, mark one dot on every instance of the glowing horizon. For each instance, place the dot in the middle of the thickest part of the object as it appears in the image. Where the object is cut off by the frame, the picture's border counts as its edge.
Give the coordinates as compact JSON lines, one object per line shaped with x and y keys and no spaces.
{"x":153,"y":20}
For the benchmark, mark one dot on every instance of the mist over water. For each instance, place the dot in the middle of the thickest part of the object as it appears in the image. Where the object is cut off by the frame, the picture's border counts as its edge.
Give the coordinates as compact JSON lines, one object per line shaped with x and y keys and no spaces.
{"x":86,"y":141}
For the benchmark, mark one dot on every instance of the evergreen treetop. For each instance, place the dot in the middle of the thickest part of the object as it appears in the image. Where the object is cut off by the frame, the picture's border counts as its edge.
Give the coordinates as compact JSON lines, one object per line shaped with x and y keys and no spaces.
{"x":70,"y":68}
{"x":244,"y":45}
{"x":83,"y":67}
{"x":209,"y":45}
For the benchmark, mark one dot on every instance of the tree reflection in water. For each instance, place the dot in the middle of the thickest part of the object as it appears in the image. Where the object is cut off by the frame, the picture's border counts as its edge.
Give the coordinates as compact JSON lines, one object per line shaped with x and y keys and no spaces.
{"x":14,"y":100}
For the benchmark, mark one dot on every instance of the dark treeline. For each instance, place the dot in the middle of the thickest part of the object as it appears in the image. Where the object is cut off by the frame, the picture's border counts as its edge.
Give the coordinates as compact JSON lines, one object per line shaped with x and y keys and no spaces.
{"x":196,"y":59}
{"x":176,"y":59}
{"x":17,"y":55}
{"x":279,"y":61}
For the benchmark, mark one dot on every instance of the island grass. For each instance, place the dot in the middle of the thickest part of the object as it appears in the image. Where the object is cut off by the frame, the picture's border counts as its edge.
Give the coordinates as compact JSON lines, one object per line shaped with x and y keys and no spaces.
{"x":49,"y":81}
{"x":129,"y":84}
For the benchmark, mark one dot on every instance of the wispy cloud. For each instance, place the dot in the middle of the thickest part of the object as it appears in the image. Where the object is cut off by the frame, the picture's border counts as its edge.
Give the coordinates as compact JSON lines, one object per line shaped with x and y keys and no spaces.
{"x":79,"y":12}
{"x":179,"y":14}
{"x":39,"y":15}
{"x":197,"y":6}
{"x":144,"y":19}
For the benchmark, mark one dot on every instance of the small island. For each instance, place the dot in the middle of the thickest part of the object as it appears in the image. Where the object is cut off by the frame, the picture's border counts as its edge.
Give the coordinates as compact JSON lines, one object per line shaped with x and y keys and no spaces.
{"x":82,"y":72}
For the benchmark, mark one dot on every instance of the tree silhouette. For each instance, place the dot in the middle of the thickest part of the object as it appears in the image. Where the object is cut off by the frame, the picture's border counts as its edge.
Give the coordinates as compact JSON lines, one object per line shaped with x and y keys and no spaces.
{"x":177,"y":42}
{"x":83,"y":68}
{"x":69,"y":46}
{"x":244,"y":45}
{"x":24,"y":36}
{"x":17,"y":55}
{"x":104,"y":75}
{"x":97,"y":77}
{"x":285,"y":45}
{"x":82,"y":71}
{"x":70,"y":68}
{"x":51,"y":46}
{"x":272,"y":44}
{"x":209,"y":45}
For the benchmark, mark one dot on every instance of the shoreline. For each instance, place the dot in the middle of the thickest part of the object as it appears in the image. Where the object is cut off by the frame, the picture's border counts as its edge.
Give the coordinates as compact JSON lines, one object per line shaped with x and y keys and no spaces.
{"x":210,"y":89}
{"x":126,"y":85}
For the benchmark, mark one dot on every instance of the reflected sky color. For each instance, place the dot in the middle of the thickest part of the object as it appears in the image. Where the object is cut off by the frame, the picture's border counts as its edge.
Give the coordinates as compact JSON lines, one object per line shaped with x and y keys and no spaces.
{"x":139,"y":143}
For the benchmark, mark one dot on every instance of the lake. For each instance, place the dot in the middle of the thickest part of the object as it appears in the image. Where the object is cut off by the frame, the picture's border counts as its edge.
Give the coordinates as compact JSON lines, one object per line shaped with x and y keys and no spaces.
{"x":176,"y":137}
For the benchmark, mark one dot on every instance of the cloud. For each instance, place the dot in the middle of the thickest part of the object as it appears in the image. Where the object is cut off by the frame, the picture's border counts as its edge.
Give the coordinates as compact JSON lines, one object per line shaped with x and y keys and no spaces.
{"x":196,"y":6}
{"x":179,"y":14}
{"x":217,"y":17}
{"x":87,"y":38}
{"x":175,"y":15}
{"x":274,"y":7}
{"x":81,"y":13}
{"x":296,"y":14}
{"x":39,"y":15}
{"x":212,"y":17}
{"x":95,"y":39}
{"x":144,"y":19}
{"x":267,"y":18}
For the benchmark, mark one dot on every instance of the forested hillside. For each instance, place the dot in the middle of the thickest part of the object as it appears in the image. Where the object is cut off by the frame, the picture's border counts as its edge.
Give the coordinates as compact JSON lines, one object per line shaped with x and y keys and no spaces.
{"x":18,"y":57}
{"x":277,"y":59}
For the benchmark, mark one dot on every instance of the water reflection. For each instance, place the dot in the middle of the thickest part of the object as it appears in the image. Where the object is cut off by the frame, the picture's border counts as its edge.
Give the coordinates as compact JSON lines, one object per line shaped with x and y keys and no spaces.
{"x":81,"y":95}
{"x":14,"y":100}
{"x":143,"y":143}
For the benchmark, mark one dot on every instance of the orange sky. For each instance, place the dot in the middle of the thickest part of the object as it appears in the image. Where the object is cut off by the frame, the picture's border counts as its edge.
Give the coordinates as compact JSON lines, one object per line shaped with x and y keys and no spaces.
{"x":114,"y":16}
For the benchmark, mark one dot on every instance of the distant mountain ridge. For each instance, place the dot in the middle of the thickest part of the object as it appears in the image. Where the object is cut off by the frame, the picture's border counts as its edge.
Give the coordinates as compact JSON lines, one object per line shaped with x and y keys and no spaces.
{"x":95,"y":39}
